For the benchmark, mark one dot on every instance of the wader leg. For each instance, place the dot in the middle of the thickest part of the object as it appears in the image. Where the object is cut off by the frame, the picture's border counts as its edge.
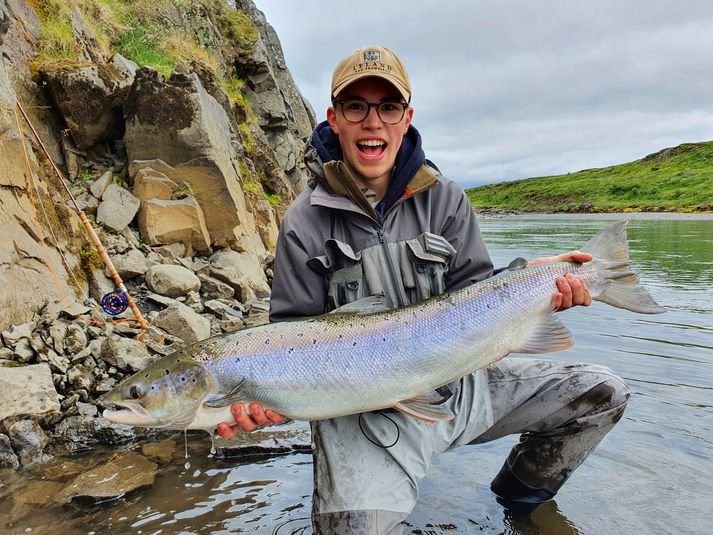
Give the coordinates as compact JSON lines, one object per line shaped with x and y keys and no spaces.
{"x":361,"y":488}
{"x":562,"y":411}
{"x":375,"y":522}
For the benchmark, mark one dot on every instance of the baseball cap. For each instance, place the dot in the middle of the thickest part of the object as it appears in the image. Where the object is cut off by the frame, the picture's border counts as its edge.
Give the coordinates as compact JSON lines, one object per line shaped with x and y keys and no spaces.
{"x":371,"y":61}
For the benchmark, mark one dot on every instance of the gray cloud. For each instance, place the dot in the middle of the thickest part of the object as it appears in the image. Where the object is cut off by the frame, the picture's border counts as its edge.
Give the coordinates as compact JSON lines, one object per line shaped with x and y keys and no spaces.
{"x":511,"y":89}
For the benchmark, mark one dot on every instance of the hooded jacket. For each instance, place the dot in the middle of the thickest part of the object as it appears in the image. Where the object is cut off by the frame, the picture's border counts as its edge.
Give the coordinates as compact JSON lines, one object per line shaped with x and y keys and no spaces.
{"x":334,"y":247}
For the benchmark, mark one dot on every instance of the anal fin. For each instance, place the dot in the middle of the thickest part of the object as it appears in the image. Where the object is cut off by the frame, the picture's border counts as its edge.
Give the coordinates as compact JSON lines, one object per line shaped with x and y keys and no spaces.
{"x":428,"y":407}
{"x":549,"y":335}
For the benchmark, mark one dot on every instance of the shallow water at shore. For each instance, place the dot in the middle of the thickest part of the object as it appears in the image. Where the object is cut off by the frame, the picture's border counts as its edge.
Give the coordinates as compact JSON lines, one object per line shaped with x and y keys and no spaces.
{"x":652,"y":474}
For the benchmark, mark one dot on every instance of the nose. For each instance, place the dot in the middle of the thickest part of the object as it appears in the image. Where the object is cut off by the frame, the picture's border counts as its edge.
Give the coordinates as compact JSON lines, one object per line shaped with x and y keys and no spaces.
{"x":372,"y":119}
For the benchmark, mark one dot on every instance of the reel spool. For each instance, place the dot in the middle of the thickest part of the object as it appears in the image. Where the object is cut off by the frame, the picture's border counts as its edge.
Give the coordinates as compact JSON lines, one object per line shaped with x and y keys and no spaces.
{"x":114,"y":303}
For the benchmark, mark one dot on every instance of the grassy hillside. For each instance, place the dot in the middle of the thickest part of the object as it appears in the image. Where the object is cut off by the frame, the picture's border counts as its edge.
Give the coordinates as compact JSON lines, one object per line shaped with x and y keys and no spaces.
{"x":678,"y":179}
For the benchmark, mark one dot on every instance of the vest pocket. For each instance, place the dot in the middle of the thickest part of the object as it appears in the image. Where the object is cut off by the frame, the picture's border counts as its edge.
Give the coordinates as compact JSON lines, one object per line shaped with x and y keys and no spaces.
{"x":425,"y":266}
{"x":343,"y":273}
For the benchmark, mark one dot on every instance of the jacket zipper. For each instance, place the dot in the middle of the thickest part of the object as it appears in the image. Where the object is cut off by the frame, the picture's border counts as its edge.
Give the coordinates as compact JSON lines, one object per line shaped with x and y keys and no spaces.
{"x":390,"y":265}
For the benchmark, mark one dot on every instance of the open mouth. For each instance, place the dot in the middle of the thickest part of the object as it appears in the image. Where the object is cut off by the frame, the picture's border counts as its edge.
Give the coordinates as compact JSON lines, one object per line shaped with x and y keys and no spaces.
{"x":371,"y":148}
{"x":123,"y":412}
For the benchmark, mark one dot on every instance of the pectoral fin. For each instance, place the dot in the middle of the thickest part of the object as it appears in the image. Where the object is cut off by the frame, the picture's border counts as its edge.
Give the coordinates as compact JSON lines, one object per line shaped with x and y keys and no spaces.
{"x":549,"y":335}
{"x":428,"y":407}
{"x":217,"y":401}
{"x":364,"y":306}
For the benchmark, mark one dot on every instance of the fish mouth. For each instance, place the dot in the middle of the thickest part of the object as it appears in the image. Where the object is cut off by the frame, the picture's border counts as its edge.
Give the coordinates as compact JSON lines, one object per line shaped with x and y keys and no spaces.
{"x":124,"y":412}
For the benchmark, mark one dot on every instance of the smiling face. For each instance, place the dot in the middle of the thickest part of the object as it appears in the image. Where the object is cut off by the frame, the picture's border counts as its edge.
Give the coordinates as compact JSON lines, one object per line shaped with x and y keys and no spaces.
{"x":370,"y":147}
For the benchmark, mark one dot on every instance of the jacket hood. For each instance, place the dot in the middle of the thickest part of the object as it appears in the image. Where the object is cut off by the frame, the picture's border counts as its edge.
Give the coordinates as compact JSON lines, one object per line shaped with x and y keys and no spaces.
{"x":323,"y":147}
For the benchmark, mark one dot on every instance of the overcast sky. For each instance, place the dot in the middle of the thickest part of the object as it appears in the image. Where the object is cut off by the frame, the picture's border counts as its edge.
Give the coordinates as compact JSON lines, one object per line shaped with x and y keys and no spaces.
{"x":509,"y":89}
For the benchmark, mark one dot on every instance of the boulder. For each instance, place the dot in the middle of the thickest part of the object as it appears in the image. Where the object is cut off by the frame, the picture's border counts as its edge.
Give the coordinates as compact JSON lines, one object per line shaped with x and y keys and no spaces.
{"x":99,"y":186}
{"x":118,"y":208}
{"x":151,"y":184}
{"x":90,"y":98}
{"x":125,"y":353}
{"x":81,"y":432}
{"x":28,"y":440}
{"x":212,"y":288}
{"x":15,"y":333}
{"x":181,"y":321}
{"x":8,"y":458}
{"x":122,"y":474}
{"x":178,"y":122}
{"x":76,"y":339}
{"x":130,"y":265}
{"x":172,"y":280}
{"x":27,"y":391}
{"x":242,"y":271}
{"x":169,"y":221}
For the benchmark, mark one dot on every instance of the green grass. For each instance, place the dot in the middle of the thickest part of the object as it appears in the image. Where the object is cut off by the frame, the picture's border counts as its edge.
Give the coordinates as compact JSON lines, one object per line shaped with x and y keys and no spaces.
{"x":138,"y":45}
{"x":679,"y":179}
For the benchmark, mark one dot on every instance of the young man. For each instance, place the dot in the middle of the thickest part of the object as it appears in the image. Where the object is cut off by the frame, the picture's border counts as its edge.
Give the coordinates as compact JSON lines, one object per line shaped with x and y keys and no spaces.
{"x":380,"y":219}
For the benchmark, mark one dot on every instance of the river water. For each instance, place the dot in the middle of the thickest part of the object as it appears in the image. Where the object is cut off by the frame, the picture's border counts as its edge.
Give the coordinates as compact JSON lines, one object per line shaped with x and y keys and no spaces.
{"x":652,"y":474}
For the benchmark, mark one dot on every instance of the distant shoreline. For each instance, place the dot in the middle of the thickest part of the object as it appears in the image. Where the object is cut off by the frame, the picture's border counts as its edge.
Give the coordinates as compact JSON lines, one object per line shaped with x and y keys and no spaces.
{"x":651,"y":216}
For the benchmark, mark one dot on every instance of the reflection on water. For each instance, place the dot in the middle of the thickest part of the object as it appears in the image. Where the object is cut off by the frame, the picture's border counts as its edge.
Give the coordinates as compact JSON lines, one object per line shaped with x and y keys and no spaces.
{"x":653,"y":474}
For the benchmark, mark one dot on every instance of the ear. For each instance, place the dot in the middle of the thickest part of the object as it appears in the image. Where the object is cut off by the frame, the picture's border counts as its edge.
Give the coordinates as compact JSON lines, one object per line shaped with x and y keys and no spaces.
{"x":408,"y":118}
{"x":332,"y":118}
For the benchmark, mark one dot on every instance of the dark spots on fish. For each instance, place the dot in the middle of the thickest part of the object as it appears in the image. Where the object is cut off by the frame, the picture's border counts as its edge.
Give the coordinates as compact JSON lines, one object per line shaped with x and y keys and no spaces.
{"x":237,"y":359}
{"x":383,"y":339}
{"x":300,"y":335}
{"x":267,"y":341}
{"x":314,"y":341}
{"x":183,"y":379}
{"x":290,"y":350}
{"x":167,"y":372}
{"x":341,"y":336}
{"x":354,"y":344}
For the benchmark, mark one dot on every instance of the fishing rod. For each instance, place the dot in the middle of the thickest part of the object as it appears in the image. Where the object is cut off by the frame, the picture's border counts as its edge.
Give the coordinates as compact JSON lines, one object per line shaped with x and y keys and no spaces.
{"x":113,"y":303}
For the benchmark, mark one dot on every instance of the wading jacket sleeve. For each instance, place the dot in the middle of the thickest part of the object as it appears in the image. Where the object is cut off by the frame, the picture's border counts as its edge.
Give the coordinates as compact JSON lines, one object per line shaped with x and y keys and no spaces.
{"x":330,"y":251}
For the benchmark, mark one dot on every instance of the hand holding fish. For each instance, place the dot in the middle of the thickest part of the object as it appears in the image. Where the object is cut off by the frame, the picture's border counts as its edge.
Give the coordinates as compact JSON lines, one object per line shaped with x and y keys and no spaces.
{"x":258,"y":417}
{"x":573,"y":290}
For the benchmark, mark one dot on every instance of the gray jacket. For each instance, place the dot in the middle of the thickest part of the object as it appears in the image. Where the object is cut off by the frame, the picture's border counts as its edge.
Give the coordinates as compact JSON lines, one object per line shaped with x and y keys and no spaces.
{"x":332,"y":249}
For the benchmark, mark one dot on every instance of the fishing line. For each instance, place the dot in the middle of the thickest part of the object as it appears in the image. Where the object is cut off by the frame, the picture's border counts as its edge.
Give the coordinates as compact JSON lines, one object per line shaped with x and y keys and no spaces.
{"x":398,"y":431}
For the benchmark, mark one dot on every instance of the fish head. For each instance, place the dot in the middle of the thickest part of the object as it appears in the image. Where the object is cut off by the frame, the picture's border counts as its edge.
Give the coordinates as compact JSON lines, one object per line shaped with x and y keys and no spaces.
{"x":167,"y":394}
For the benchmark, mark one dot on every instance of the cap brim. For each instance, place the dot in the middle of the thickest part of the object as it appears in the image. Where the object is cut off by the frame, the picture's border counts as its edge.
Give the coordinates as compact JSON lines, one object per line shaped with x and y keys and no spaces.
{"x":401,"y":89}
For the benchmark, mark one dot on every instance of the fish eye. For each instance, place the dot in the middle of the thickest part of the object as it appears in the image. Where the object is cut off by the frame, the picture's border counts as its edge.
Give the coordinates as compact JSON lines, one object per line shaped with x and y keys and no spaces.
{"x":135,"y":391}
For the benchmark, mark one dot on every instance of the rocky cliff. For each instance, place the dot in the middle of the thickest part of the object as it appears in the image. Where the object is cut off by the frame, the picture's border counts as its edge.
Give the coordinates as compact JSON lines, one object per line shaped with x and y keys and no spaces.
{"x":178,"y":129}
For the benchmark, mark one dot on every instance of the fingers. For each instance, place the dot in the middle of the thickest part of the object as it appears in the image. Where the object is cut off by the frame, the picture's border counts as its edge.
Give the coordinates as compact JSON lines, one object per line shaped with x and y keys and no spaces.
{"x":249,"y":421}
{"x":275,"y":417}
{"x":573,"y":256}
{"x":580,"y":258}
{"x":565,"y":289}
{"x":243,"y":418}
{"x":574,"y":292}
{"x":227,"y":431}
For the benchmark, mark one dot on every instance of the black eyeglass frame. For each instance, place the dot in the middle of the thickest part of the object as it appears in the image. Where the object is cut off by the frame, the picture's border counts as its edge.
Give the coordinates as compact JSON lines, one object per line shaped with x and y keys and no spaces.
{"x":341,"y":101}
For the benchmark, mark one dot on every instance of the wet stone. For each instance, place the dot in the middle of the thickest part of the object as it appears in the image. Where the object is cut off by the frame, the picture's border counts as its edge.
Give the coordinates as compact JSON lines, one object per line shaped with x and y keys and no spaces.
{"x":160,"y":452}
{"x":81,"y":432}
{"x":122,"y":474}
{"x":28,"y":440}
{"x":39,"y":493}
{"x":280,"y":440}
{"x":8,"y":459}
{"x":61,"y":469}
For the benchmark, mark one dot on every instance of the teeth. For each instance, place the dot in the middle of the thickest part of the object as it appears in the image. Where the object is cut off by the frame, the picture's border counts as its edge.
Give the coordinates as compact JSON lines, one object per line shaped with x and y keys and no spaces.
{"x":372,"y":143}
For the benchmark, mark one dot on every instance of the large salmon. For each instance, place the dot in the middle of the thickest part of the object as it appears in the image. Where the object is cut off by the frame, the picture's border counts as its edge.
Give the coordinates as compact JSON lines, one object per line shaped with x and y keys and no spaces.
{"x":362,"y":357}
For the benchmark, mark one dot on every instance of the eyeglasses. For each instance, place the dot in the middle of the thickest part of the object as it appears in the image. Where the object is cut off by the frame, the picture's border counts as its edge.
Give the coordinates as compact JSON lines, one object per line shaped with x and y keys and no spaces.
{"x":356,"y":110}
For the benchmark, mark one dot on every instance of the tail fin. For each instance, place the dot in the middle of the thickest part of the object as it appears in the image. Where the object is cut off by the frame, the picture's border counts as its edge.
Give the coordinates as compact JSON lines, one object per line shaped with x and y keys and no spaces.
{"x":611,"y":250}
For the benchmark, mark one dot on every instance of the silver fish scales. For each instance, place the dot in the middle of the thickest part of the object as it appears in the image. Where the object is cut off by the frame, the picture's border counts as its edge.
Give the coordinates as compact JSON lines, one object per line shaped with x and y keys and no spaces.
{"x":363,"y":357}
